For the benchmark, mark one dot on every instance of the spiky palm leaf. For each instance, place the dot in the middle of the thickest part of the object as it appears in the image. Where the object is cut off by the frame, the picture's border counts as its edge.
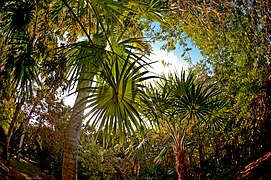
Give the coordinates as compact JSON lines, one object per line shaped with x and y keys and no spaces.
{"x":19,"y":51}
{"x":17,"y":16}
{"x":156,"y":107}
{"x":163,"y":94}
{"x":198,"y":104}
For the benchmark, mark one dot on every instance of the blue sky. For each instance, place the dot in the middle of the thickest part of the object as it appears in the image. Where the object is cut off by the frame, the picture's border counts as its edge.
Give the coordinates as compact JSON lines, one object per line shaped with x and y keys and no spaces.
{"x":174,"y":57}
{"x":194,"y":53}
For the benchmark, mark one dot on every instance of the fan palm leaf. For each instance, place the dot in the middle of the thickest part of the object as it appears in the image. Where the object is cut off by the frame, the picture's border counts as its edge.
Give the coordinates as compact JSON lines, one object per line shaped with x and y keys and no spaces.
{"x":114,"y":99}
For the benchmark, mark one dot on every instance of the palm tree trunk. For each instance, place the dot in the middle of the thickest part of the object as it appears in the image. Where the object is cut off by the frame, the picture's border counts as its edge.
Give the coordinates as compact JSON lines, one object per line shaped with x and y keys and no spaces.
{"x":181,"y":163}
{"x":10,"y":130}
{"x":70,"y":155}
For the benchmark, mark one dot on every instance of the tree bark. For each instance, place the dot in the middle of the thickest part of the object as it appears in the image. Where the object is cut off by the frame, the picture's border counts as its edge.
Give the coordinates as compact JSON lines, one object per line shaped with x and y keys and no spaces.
{"x":70,"y":155}
{"x":259,"y":169}
{"x":10,"y":130}
{"x":181,"y":163}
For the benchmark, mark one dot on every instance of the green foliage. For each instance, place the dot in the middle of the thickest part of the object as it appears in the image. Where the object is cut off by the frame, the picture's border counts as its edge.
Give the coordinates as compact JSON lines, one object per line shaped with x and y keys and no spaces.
{"x":44,"y":123}
{"x":94,"y":161}
{"x":234,"y":39}
{"x":22,"y":50}
{"x":131,"y":160}
{"x":157,"y":172}
{"x":155,"y":155}
{"x":6,"y":111}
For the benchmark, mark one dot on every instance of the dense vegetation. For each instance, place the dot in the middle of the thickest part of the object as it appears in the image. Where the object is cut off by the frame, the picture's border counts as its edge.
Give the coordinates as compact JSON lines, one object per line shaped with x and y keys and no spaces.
{"x":208,"y":122}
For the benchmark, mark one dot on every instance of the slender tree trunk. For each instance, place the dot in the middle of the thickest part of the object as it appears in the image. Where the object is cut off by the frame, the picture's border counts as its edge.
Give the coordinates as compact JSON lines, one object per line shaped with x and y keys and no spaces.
{"x":217,"y":156}
{"x":18,"y":156}
{"x":10,"y":130}
{"x":229,"y":153}
{"x":70,"y":155}
{"x":181,"y":163}
{"x":200,"y":148}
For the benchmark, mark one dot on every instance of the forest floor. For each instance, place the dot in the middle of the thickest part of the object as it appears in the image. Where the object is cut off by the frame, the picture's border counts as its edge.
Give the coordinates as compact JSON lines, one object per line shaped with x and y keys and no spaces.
{"x":23,"y":170}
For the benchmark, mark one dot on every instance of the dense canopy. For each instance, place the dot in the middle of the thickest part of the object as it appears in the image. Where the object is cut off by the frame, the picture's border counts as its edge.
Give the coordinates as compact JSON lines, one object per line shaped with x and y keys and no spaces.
{"x":205,"y":122}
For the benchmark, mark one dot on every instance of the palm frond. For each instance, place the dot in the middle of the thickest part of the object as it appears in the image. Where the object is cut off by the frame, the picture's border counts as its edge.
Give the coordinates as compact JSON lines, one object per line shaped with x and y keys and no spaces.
{"x":115,"y":98}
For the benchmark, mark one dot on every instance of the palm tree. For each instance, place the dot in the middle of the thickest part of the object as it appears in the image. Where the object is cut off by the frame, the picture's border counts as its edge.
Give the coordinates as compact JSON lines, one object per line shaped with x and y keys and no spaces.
{"x":111,"y":91}
{"x":17,"y":54}
{"x":179,"y":104}
{"x":109,"y":73}
{"x":110,"y":88}
{"x":161,"y":109}
{"x":200,"y":104}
